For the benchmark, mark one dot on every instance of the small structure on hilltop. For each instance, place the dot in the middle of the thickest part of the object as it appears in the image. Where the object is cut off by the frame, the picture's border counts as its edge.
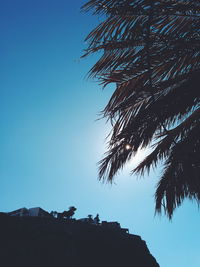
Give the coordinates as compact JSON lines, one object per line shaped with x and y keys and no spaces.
{"x":32,"y":212}
{"x":39,"y":212}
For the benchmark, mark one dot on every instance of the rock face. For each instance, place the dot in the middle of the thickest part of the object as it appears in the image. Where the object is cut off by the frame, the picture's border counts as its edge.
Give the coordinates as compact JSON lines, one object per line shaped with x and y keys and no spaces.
{"x":49,"y":242}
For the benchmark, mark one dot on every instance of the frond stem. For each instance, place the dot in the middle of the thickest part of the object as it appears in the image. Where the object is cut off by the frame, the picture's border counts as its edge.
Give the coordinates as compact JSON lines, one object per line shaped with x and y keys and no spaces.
{"x":149,"y":60}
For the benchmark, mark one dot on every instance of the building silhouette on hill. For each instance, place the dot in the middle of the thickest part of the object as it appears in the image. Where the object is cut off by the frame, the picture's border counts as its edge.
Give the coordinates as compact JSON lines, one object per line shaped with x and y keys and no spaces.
{"x":39,"y":212}
{"x":34,"y":237}
{"x":33,"y":212}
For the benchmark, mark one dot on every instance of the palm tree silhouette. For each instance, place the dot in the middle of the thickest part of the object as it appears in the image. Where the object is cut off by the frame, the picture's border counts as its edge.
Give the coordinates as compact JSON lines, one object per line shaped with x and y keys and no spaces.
{"x":151,"y":51}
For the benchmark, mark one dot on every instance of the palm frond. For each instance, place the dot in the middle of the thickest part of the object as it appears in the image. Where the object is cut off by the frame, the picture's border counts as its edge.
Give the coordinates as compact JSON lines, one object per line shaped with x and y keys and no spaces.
{"x":181,"y":177}
{"x":151,"y":51}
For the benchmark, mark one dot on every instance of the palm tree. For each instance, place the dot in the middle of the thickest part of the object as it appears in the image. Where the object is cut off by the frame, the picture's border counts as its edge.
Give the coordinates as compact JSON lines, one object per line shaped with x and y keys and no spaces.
{"x":151,"y":51}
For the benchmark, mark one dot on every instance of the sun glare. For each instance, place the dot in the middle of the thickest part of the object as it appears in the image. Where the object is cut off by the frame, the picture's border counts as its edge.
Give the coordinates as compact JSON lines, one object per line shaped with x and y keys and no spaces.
{"x":128,"y":147}
{"x":139,"y":156}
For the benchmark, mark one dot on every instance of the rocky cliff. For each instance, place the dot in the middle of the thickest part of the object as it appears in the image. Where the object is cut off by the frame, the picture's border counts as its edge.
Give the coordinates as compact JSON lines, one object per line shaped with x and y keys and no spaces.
{"x":27,"y":241}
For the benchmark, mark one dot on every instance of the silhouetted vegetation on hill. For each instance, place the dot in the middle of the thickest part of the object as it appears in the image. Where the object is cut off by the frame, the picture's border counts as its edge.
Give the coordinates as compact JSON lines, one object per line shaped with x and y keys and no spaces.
{"x":35,"y":241}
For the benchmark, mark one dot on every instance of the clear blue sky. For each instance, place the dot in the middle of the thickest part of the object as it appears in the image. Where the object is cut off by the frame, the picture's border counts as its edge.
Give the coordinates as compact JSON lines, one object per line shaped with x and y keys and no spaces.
{"x":49,"y":139}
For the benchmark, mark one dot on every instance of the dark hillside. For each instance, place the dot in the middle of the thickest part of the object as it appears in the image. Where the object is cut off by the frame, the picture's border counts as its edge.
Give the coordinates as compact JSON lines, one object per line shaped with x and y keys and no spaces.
{"x":34,"y":241}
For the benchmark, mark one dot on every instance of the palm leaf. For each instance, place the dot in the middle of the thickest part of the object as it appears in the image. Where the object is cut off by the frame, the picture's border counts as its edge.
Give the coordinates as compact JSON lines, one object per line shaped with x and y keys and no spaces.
{"x":151,"y":51}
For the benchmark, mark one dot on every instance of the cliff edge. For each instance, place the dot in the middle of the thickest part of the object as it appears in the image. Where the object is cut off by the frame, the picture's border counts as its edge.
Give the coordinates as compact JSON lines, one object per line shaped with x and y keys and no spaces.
{"x":34,"y":241}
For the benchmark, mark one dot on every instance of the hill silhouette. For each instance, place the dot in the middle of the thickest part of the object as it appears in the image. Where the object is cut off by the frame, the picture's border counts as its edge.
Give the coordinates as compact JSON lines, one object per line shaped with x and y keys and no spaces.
{"x":35,"y":241}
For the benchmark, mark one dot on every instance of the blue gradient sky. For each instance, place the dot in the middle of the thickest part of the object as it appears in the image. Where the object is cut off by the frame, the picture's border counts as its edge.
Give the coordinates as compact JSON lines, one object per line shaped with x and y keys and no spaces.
{"x":49,"y":139}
